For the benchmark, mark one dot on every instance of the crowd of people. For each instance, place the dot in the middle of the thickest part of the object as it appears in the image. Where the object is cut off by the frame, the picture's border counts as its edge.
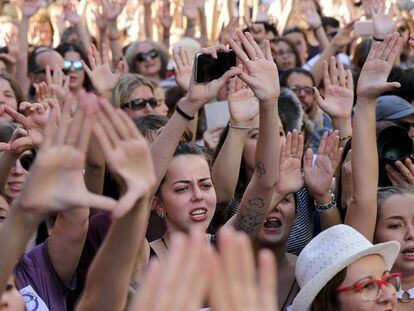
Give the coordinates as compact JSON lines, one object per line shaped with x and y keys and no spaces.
{"x":287,"y":183}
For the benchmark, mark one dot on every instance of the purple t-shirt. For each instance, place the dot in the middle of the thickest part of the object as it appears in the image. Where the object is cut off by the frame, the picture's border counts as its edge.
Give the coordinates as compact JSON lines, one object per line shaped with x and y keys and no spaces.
{"x":40,"y":285}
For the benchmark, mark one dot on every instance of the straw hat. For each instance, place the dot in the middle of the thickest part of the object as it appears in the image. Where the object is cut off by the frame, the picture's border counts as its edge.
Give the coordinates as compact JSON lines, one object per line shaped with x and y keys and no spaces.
{"x":329,"y":253}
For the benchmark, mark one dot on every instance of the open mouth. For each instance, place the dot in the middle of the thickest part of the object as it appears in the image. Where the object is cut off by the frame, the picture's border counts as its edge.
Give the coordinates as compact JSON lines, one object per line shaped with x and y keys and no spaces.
{"x":408,"y":253}
{"x":272,"y":223}
{"x":199,"y":214}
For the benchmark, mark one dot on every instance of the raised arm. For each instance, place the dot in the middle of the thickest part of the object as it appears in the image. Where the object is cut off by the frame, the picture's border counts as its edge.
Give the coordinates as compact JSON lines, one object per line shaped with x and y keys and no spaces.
{"x":262,"y":77}
{"x":339,"y":98}
{"x":342,"y":38}
{"x":314,"y":21}
{"x":113,"y":9}
{"x":128,"y":158}
{"x":244,"y":107}
{"x":318,"y":178}
{"x":162,"y":149}
{"x":29,"y":8}
{"x":44,"y":191}
{"x":362,"y":212}
{"x":78,"y":21}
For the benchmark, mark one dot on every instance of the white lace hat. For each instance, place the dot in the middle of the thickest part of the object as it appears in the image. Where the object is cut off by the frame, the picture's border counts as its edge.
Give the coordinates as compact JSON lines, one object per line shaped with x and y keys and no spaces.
{"x":330,"y":252}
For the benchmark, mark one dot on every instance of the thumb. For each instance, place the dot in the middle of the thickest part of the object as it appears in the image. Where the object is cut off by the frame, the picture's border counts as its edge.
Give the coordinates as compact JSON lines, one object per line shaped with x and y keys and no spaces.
{"x":226,"y":76}
{"x":125,"y":204}
{"x":391,"y":86}
{"x":4,"y":147}
{"x":99,"y":201}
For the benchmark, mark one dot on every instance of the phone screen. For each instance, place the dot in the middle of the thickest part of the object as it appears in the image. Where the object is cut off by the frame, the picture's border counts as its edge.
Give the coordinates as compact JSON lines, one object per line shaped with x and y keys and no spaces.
{"x":209,"y":68}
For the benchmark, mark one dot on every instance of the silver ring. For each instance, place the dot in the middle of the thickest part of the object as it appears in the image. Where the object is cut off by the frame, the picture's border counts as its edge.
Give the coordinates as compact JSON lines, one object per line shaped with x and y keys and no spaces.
{"x":383,"y":58}
{"x":247,"y":60}
{"x":256,"y":58}
{"x":292,"y":156}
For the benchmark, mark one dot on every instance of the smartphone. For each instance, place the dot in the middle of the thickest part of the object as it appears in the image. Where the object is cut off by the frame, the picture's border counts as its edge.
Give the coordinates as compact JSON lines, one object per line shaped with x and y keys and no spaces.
{"x":364,"y":28}
{"x":209,"y":68}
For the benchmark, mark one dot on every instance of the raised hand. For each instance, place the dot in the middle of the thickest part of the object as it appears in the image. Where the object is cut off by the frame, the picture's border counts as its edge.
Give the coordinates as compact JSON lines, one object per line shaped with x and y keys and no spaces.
{"x":181,"y":280}
{"x":18,"y":143}
{"x":243,"y":105}
{"x":344,"y":36}
{"x":309,"y":13}
{"x":100,"y":73}
{"x":200,"y":94}
{"x":339,"y":91}
{"x":290,"y":174}
{"x":62,"y":154}
{"x":164,"y":15}
{"x":190,"y":9}
{"x":58,"y":83}
{"x":383,"y":22}
{"x":372,"y":81}
{"x":113,"y":8}
{"x":101,"y":18}
{"x":403,"y":175}
{"x":238,"y":283}
{"x":262,"y":75}
{"x":35,"y":121}
{"x":30,"y":8}
{"x":318,"y":176}
{"x":127,"y":155}
{"x":183,"y":67}
{"x":70,"y":14}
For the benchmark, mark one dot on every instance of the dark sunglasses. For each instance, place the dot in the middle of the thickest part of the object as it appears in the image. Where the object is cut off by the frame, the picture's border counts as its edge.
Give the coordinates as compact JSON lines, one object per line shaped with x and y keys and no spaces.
{"x":76,"y":65}
{"x":150,"y":54}
{"x":26,"y":161}
{"x":139,"y":104}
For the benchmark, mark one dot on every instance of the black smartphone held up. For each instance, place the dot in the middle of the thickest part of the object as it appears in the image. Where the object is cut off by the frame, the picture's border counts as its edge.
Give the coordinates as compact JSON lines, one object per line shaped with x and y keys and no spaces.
{"x":209,"y":68}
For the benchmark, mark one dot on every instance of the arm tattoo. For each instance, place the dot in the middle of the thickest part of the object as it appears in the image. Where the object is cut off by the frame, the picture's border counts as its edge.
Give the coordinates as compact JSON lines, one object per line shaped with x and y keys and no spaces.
{"x":250,"y":220}
{"x":257,"y":202}
{"x":260,"y":169}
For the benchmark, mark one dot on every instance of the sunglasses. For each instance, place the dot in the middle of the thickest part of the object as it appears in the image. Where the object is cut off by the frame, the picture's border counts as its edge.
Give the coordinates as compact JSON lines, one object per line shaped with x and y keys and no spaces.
{"x":139,"y":104}
{"x":141,"y":57}
{"x":26,"y":161}
{"x":76,"y":65}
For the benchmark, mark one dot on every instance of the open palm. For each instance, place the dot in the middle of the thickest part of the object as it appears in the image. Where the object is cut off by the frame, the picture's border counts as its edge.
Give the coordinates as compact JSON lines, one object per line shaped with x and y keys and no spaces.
{"x":62,"y":154}
{"x":318,"y":176}
{"x":290,"y":175}
{"x":243,"y":105}
{"x":100,"y":73}
{"x":127,"y":155}
{"x":372,"y":81}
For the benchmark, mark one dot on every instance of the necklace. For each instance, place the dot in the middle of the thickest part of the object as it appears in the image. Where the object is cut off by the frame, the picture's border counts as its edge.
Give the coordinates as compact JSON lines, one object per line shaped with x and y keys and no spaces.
{"x":405,"y":296}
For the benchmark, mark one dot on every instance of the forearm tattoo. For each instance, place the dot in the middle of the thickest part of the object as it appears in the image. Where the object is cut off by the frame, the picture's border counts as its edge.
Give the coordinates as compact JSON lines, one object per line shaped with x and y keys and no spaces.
{"x":250,"y":220}
{"x":260,"y":168}
{"x":257,"y":202}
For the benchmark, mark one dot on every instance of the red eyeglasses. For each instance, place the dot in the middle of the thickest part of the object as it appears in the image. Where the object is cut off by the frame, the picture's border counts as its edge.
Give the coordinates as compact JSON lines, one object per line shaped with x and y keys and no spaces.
{"x":370,"y":290}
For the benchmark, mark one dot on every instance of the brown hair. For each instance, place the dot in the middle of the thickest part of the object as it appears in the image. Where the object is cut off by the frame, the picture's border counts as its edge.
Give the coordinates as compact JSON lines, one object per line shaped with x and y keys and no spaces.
{"x":385,"y":193}
{"x":18,"y":93}
{"x":327,"y":298}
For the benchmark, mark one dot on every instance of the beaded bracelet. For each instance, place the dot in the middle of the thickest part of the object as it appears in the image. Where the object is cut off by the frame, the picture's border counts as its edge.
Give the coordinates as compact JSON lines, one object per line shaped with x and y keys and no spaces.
{"x":326,"y":207}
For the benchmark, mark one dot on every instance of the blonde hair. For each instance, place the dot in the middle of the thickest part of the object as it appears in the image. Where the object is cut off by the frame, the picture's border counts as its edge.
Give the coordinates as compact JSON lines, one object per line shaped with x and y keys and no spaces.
{"x":126,"y":85}
{"x":131,"y":54}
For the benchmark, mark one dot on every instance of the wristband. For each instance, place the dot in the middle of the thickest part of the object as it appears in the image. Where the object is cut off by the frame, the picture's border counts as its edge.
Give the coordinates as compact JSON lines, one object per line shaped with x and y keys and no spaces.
{"x":239,"y":127}
{"x":183,"y":114}
{"x":326,"y":207}
{"x":377,"y":39}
